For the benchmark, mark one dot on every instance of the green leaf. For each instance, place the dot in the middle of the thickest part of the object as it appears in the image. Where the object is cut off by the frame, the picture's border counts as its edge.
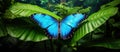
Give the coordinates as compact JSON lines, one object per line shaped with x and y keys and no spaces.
{"x":24,"y":31}
{"x":26,"y":10}
{"x":94,"y":21}
{"x":85,"y":10}
{"x":3,"y":31}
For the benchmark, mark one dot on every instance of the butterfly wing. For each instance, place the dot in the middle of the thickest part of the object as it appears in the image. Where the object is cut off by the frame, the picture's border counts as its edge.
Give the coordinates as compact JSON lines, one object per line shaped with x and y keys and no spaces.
{"x":68,"y":23}
{"x":48,"y":23}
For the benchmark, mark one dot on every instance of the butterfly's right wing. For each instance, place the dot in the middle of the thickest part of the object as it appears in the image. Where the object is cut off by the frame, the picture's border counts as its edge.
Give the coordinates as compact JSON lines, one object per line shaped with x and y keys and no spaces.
{"x":68,"y":23}
{"x":48,"y":23}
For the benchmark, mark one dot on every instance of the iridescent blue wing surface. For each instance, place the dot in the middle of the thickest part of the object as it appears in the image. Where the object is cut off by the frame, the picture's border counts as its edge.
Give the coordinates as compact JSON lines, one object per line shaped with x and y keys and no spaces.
{"x":68,"y":23}
{"x":48,"y":23}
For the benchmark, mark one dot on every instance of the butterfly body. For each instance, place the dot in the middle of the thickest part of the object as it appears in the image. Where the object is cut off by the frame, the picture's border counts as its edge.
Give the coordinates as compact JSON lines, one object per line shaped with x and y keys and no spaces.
{"x":56,"y":28}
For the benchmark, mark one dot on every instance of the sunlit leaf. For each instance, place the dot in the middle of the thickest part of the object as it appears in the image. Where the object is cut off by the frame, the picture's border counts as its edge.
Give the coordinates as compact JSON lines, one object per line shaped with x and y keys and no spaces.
{"x":26,"y":10}
{"x":94,"y":21}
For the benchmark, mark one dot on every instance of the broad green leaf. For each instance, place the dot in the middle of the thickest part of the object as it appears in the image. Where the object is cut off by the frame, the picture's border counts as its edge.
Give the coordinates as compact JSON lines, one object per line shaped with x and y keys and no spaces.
{"x":110,"y":43}
{"x":94,"y":21}
{"x":26,"y":10}
{"x":2,"y":29}
{"x":24,"y":31}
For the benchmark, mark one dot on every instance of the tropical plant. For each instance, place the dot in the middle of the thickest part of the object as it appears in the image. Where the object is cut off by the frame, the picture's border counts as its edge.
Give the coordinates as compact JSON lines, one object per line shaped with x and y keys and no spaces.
{"x":16,"y":22}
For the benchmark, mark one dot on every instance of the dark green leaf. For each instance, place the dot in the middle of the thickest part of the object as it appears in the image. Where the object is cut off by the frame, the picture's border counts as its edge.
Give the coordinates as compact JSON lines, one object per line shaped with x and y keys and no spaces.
{"x":3,"y":31}
{"x":111,"y":43}
{"x":117,"y":24}
{"x":24,"y":31}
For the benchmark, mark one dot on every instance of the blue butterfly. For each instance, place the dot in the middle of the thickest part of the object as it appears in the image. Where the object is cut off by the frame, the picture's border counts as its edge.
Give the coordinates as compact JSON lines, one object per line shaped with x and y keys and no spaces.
{"x":55,"y":28}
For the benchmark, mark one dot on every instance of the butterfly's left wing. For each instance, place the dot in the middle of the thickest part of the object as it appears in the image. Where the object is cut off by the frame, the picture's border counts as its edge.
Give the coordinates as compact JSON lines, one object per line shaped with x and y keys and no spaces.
{"x":68,"y":23}
{"x":48,"y":23}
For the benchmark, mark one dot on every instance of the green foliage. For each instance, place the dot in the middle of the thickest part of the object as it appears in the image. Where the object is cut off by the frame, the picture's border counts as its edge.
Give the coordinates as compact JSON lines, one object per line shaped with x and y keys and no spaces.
{"x":20,"y":26}
{"x":44,"y":1}
{"x":25,"y":31}
{"x":86,"y":10}
{"x":64,"y":10}
{"x":117,"y":24}
{"x":94,"y":21}
{"x":26,"y":10}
